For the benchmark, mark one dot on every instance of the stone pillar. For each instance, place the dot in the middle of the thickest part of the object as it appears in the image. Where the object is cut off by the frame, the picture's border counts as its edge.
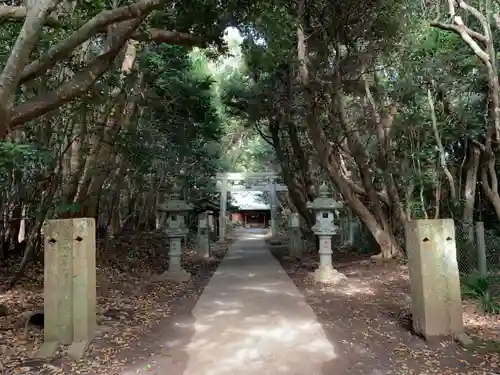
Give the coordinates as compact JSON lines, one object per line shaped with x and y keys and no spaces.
{"x":295,"y":236}
{"x":69,"y":286}
{"x":211,"y":221}
{"x":223,"y":207}
{"x":343,"y":229}
{"x":211,"y":226}
{"x":347,"y":228}
{"x":434,"y":278}
{"x":203,"y":235}
{"x":160,"y":215}
{"x":274,"y":209}
{"x":350,"y":228}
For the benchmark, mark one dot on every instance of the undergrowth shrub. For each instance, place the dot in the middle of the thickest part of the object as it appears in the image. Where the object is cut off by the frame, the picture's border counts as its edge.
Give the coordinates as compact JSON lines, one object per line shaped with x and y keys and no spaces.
{"x":483,"y":289}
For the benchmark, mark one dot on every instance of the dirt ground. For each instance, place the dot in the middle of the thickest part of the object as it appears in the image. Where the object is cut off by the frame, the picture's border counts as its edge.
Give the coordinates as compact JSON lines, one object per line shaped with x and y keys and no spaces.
{"x":131,"y":309}
{"x":368,"y":321}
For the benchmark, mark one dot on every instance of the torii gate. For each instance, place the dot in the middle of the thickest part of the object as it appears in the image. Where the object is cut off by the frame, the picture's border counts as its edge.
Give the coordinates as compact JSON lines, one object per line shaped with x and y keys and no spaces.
{"x":239,"y":182}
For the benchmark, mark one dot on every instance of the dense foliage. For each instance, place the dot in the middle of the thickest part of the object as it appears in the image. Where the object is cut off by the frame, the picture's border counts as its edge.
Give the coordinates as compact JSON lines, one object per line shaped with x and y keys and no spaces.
{"x":396,"y":103}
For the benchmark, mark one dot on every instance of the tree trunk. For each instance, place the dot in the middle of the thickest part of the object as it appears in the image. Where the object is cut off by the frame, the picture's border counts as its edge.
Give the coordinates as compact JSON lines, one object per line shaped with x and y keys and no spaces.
{"x":470,"y":185}
{"x":98,"y":167}
{"x":297,"y":192}
{"x":380,"y":230}
{"x":302,"y":161}
{"x":489,"y":181}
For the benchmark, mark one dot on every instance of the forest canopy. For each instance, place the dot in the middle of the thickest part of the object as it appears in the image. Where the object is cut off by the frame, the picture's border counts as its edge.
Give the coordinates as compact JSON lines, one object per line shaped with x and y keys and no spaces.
{"x":395,"y":103}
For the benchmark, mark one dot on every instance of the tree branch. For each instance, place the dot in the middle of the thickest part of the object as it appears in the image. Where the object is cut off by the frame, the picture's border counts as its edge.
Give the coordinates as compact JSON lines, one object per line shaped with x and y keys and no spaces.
{"x":496,"y":16}
{"x":17,"y":13}
{"x":266,"y":138}
{"x":359,"y":190}
{"x":467,"y":34}
{"x":170,"y":37}
{"x":477,"y":15}
{"x":91,"y":28}
{"x":462,"y":30}
{"x":81,"y":82}
{"x":19,"y":57}
{"x":448,"y":27}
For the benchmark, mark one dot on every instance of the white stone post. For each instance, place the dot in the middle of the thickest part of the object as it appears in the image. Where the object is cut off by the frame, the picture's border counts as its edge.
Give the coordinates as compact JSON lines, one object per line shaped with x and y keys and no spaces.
{"x":223,"y":209}
{"x":160,"y":216}
{"x":434,"y":278}
{"x":481,"y":249}
{"x":69,"y":286}
{"x":274,"y":209}
{"x":343,"y":228}
{"x":211,"y":221}
{"x":294,"y":235}
{"x":350,"y":228}
{"x":203,"y":235}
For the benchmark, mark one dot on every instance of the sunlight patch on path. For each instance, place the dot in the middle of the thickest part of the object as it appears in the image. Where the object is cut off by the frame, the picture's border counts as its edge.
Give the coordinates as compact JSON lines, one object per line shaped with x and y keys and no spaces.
{"x":255,"y":325}
{"x":250,"y":320}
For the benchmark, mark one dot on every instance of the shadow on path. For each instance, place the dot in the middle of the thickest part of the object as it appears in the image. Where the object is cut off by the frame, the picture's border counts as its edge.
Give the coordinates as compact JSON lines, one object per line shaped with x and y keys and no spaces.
{"x":165,"y":346}
{"x":252,"y":319}
{"x":367,"y":320}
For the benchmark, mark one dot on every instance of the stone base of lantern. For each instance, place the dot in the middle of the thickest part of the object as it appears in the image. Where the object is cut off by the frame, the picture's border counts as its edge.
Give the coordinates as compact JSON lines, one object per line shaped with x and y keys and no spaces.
{"x":329,"y":274}
{"x":176,"y":275}
{"x":173,"y":275}
{"x":175,"y":271}
{"x":326,"y":272}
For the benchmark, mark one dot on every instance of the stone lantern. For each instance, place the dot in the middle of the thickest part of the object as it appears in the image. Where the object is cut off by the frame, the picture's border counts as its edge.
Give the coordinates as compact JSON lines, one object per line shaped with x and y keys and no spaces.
{"x":175,"y":212}
{"x":324,"y":207}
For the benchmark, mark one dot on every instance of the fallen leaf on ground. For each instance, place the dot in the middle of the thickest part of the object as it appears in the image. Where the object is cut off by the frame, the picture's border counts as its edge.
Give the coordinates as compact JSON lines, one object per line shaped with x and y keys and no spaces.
{"x":129,"y":305}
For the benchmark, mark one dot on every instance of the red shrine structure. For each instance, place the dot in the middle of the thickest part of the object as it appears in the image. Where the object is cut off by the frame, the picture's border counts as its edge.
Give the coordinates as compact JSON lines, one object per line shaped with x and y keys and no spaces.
{"x":251,"y":218}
